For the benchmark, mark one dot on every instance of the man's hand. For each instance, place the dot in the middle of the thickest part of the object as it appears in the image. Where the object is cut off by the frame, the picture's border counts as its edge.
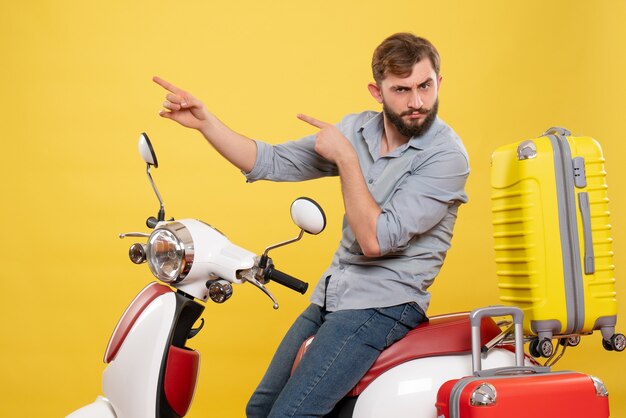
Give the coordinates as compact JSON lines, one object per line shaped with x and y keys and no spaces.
{"x":182,"y":107}
{"x":330,"y":143}
{"x":362,"y":210}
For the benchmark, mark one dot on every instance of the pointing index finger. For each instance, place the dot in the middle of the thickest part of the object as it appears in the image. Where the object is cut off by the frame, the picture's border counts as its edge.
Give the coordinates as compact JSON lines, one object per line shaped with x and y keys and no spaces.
{"x":166,"y":85}
{"x":312,"y":121}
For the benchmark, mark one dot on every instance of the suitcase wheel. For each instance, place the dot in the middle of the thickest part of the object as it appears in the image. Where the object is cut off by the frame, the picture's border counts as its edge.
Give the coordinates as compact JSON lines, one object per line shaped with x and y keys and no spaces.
{"x":541,"y":348}
{"x":570,"y":341}
{"x":617,"y":343}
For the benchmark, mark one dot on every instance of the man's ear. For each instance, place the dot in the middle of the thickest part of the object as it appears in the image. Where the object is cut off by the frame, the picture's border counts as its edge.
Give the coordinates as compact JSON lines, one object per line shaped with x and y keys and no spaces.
{"x":375,"y":92}
{"x":439,"y":80}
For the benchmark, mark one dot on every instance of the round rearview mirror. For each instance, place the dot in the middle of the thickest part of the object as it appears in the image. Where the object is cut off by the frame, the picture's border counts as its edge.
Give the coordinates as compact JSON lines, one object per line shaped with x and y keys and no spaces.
{"x":308,"y":215}
{"x":146,"y":150}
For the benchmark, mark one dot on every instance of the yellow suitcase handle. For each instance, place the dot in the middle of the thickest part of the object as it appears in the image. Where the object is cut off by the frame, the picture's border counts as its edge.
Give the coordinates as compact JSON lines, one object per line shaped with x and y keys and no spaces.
{"x":557,"y":130}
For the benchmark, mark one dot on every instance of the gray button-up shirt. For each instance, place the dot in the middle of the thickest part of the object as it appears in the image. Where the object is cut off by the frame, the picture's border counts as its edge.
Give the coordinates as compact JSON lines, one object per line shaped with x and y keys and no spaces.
{"x":419,"y":187}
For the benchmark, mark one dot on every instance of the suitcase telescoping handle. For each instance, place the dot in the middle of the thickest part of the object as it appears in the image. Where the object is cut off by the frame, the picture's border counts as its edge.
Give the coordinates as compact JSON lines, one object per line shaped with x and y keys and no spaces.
{"x":476,"y":317}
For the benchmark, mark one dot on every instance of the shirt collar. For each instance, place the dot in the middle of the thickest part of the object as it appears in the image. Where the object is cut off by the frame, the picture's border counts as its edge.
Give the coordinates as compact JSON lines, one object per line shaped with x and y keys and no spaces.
{"x":372,"y":131}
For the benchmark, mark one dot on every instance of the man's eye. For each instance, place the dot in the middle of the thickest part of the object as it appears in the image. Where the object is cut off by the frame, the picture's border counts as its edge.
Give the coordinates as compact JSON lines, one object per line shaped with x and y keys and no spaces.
{"x":424,"y":86}
{"x":401,"y":89}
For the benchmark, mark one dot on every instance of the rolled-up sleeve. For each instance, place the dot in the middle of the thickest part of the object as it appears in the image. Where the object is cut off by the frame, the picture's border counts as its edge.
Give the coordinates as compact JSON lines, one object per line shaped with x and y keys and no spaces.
{"x":290,"y":161}
{"x":422,"y":199}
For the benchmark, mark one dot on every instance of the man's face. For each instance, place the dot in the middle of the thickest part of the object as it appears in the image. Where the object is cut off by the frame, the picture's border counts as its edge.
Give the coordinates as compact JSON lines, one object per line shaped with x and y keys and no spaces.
{"x":410,"y":103}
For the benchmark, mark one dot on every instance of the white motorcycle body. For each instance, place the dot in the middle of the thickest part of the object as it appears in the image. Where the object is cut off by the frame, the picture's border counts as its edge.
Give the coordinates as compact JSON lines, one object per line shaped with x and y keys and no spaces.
{"x":150,"y":372}
{"x":149,"y":367}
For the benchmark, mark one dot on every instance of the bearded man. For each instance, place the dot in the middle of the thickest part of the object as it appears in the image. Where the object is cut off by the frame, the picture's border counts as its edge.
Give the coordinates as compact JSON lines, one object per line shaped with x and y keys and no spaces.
{"x":403,"y":173}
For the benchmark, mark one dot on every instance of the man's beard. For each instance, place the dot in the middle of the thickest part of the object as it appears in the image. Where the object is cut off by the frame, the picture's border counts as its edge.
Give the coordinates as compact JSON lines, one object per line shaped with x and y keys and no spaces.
{"x":412,"y":130}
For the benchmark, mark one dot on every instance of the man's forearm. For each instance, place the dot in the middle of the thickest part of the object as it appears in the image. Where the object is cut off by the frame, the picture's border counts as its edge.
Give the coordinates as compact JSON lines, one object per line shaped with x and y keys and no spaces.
{"x":362,"y":210}
{"x":236,"y":148}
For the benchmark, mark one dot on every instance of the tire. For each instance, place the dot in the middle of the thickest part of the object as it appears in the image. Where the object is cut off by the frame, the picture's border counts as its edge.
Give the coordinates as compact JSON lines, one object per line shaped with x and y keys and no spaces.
{"x":573,"y":341}
{"x":607,"y":344}
{"x":545,"y":347}
{"x":533,"y":348}
{"x":618,"y":341}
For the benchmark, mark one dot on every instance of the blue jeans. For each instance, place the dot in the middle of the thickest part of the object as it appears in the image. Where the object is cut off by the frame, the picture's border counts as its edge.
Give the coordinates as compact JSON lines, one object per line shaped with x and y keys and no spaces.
{"x":346,"y":345}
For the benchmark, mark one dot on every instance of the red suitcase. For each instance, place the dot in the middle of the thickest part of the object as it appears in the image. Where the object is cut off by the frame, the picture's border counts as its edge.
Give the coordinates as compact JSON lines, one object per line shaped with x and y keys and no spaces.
{"x":520,"y":391}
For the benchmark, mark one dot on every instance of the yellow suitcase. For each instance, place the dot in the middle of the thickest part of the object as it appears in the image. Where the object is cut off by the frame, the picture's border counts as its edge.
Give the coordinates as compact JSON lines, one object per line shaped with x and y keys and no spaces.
{"x":553,"y":244}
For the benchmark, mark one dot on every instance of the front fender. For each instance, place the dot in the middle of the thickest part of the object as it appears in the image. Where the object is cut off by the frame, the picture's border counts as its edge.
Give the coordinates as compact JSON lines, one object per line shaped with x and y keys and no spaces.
{"x":100,"y":408}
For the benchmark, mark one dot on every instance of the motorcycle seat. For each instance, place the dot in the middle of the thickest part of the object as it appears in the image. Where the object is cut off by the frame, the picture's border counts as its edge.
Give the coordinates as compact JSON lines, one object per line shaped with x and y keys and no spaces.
{"x":441,"y":335}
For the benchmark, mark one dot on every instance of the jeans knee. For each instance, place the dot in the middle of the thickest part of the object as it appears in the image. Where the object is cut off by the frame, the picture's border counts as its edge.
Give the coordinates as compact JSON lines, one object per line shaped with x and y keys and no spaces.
{"x":252,"y":410}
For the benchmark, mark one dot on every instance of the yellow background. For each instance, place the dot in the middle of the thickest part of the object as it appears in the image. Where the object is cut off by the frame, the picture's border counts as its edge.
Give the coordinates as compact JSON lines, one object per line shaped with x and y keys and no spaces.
{"x":76,"y":93}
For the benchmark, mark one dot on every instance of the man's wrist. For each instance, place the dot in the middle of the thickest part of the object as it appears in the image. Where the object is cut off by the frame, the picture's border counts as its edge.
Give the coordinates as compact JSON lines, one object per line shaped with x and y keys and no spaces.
{"x":208,"y":126}
{"x":347,"y":161}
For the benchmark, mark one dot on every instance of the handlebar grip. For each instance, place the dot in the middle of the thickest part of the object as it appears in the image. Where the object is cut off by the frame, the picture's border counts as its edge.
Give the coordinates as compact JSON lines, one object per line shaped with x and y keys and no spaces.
{"x":286,"y":280}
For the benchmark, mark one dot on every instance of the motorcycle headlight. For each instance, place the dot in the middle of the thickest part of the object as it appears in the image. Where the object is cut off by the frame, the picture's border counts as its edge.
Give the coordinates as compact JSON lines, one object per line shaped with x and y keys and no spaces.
{"x":170,"y":252}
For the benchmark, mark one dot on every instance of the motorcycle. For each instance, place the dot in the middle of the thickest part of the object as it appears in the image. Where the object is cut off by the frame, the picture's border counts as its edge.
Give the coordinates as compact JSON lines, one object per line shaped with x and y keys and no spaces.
{"x":151,"y":372}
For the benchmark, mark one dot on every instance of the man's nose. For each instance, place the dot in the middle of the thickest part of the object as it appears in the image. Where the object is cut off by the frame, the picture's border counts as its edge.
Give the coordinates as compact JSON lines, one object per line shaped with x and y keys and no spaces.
{"x":416,"y":100}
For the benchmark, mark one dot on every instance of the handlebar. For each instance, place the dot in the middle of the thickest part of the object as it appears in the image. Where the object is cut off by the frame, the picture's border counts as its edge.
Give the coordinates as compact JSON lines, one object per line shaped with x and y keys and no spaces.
{"x":286,"y":280}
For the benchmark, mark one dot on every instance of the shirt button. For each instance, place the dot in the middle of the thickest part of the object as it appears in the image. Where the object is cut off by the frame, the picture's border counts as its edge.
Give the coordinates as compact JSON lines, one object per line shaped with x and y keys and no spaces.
{"x":370,"y":181}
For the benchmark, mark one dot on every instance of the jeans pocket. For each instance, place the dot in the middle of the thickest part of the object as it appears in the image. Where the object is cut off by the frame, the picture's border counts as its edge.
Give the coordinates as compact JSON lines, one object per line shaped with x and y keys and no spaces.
{"x":410,"y":317}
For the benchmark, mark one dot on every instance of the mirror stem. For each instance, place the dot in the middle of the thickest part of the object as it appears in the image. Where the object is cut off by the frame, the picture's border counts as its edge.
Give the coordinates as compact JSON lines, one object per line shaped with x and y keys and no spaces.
{"x":161,"y":216}
{"x":263,"y":260}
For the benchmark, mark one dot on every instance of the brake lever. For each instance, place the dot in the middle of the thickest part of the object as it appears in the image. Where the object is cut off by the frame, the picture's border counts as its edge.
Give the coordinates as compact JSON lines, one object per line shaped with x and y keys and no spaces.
{"x":249,"y":277}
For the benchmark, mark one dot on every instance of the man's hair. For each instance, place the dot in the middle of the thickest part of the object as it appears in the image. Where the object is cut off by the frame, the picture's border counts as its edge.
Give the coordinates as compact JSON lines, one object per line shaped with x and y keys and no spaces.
{"x":399,"y":53}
